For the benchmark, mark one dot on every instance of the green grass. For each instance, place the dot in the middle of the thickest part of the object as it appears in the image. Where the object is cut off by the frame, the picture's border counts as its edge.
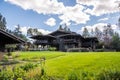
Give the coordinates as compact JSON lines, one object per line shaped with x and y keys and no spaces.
{"x":60,"y":64}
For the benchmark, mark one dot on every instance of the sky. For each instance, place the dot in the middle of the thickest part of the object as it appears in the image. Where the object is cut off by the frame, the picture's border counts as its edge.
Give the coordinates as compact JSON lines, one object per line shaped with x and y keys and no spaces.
{"x":48,"y":15}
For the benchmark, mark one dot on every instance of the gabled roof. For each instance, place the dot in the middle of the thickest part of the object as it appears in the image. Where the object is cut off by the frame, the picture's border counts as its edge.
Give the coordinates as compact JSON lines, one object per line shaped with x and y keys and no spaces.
{"x":61,"y":32}
{"x":8,"y":38}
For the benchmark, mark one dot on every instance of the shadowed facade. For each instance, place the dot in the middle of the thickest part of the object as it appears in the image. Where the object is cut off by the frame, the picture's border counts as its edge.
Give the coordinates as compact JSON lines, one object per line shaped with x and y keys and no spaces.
{"x":65,"y":40}
{"x":7,"y":38}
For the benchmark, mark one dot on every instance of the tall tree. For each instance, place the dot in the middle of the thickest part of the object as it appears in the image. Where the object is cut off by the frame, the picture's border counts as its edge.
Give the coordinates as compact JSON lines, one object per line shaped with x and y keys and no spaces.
{"x":107,"y":34}
{"x":18,"y":33}
{"x":36,"y":32}
{"x":17,"y":30}
{"x":92,"y":33}
{"x":2,"y":22}
{"x":98,"y":34}
{"x":30,"y":32}
{"x":115,"y":43}
{"x":85,"y":33}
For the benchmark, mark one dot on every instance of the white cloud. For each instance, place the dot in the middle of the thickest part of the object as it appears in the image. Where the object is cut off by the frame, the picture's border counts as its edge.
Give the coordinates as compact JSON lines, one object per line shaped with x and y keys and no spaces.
{"x":74,"y":14}
{"x":44,"y":32}
{"x":100,"y":26}
{"x":66,"y":14}
{"x":100,"y":7}
{"x":103,"y":19}
{"x":24,"y":29}
{"x":40,"y":6}
{"x":51,"y":22}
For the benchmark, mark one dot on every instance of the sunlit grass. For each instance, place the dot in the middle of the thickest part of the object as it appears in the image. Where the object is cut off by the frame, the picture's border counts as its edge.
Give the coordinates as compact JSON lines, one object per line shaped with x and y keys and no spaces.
{"x":60,"y":64}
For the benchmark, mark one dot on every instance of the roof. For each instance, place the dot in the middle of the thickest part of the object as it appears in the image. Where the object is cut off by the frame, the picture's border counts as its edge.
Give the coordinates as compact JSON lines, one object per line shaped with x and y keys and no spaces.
{"x":8,"y":38}
{"x":61,"y":32}
{"x":74,"y":35}
{"x":42,"y":37}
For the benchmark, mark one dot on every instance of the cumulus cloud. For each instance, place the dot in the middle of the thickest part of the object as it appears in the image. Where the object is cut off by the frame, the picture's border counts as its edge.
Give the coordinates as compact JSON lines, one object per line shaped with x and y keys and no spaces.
{"x":24,"y":29}
{"x":40,"y":6}
{"x":66,"y":14}
{"x":100,"y":7}
{"x":74,"y":14}
{"x":51,"y":22}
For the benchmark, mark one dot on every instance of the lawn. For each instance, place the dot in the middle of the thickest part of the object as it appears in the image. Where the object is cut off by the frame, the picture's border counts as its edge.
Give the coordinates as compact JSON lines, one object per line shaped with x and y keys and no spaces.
{"x":60,"y":64}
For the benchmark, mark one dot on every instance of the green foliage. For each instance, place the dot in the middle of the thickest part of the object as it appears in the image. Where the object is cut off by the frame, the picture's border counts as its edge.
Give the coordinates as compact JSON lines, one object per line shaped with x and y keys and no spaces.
{"x":2,"y":22}
{"x":115,"y":44}
{"x":72,"y":76}
{"x":6,"y":75}
{"x":5,"y":58}
{"x":109,"y":75}
{"x":19,"y":73}
{"x":28,"y":66}
{"x":19,"y":79}
{"x":52,"y":48}
{"x":87,"y":65}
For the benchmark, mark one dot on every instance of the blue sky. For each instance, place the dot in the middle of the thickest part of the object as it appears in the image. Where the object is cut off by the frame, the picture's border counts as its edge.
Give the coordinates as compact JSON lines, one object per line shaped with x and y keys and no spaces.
{"x":47,"y":15}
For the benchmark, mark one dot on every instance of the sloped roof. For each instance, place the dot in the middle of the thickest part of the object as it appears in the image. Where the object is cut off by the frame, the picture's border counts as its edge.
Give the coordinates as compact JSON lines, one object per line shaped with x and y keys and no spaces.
{"x":61,"y":32}
{"x":42,"y":37}
{"x":8,"y":38}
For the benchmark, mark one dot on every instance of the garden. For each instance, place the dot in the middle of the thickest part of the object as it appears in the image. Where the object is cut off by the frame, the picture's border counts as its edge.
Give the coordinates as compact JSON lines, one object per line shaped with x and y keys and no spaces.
{"x":54,"y":65}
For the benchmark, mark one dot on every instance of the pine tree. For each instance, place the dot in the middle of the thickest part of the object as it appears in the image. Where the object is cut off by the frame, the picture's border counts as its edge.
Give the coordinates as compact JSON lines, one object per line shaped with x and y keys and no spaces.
{"x":85,"y":33}
{"x":2,"y":22}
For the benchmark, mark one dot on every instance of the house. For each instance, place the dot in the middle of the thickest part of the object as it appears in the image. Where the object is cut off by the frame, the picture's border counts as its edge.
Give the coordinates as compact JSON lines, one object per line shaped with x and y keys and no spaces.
{"x":7,"y":38}
{"x":65,"y":40}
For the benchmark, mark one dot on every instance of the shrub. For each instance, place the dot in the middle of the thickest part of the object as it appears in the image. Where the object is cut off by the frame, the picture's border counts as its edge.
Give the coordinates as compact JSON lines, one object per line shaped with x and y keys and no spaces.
{"x":109,"y":75}
{"x":18,"y":73}
{"x":28,"y":66}
{"x":9,"y":54}
{"x":72,"y":76}
{"x":19,"y":79}
{"x":5,"y":58}
{"x":6,"y":75}
{"x":52,"y":48}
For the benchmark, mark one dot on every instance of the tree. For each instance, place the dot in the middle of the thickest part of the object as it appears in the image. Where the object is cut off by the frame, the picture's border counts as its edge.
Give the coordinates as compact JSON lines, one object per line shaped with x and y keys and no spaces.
{"x":98,"y":33}
{"x":18,"y":33}
{"x":36,"y":32}
{"x":92,"y":33}
{"x":31,"y":32}
{"x":2,"y":22}
{"x":115,"y":43}
{"x":60,"y":27}
{"x":107,"y":34}
{"x":85,"y":33}
{"x":17,"y":30}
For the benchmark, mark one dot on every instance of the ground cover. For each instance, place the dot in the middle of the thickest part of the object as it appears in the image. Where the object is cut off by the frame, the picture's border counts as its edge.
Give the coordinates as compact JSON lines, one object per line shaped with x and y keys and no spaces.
{"x":68,"y":65}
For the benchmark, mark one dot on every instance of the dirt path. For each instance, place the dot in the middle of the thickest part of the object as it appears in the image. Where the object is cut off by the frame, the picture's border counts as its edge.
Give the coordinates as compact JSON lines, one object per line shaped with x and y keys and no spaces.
{"x":1,"y":55}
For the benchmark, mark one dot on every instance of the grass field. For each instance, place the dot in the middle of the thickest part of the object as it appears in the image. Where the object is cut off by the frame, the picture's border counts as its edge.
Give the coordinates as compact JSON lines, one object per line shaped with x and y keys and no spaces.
{"x":60,"y":64}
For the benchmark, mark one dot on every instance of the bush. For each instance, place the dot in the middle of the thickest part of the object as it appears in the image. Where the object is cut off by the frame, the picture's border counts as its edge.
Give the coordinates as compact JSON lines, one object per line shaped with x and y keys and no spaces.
{"x":28,"y":66}
{"x":19,"y":79}
{"x":109,"y":75}
{"x":52,"y":49}
{"x":6,"y":75}
{"x":18,"y":73}
{"x":72,"y":76}
{"x":5,"y":58}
